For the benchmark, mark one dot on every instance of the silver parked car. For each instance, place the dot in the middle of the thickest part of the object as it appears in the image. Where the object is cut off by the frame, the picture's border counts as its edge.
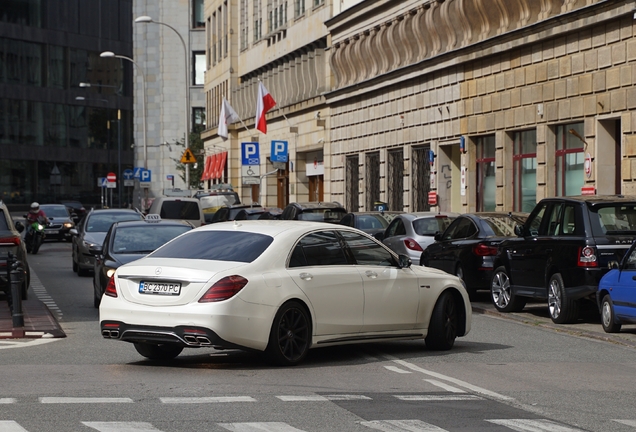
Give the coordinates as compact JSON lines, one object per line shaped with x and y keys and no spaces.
{"x":410,"y":233}
{"x":91,"y":231}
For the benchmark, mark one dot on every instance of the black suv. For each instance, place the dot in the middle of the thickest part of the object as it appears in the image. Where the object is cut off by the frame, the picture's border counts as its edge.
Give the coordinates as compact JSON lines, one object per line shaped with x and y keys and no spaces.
{"x":561,"y":253}
{"x":11,"y":241}
{"x":314,"y":211}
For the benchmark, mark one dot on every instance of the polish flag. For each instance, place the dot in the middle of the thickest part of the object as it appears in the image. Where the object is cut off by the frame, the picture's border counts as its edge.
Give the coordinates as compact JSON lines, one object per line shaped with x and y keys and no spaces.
{"x":264,"y":103}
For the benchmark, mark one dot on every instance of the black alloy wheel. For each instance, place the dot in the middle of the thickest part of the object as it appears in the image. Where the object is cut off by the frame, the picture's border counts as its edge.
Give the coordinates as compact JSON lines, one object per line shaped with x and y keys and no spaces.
{"x":289,"y":339}
{"x":442,"y":329}
{"x":501,"y":293}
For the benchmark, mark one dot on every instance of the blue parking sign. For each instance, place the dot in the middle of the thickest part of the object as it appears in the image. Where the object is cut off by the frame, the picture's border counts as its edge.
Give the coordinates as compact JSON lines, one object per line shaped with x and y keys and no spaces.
{"x":145,"y":175}
{"x":250,"y":154}
{"x":279,"y":151}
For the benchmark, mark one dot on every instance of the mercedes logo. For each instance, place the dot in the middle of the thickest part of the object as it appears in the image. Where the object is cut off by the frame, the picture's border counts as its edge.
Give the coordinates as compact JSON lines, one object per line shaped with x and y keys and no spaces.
{"x":158,"y":271}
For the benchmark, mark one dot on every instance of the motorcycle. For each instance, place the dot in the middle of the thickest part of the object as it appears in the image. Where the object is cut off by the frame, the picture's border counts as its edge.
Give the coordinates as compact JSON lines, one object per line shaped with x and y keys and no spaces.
{"x":34,"y":237}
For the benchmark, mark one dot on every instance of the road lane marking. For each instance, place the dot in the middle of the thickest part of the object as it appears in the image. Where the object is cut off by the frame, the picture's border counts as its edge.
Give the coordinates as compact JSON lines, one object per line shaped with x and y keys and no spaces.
{"x":7,"y":400}
{"x":202,"y":400}
{"x":402,"y":425}
{"x":259,"y":427}
{"x":631,"y":423}
{"x":11,"y":426}
{"x":121,"y":426}
{"x":444,"y":386}
{"x":8,"y":344}
{"x":40,"y":292}
{"x":397,"y":369}
{"x":319,"y":398}
{"x":78,"y":400}
{"x":437,"y":398}
{"x":526,"y":425}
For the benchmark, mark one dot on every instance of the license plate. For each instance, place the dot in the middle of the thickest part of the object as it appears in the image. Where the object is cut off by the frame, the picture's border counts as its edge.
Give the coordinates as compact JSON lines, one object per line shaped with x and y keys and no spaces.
{"x":161,"y":288}
{"x":51,"y":232}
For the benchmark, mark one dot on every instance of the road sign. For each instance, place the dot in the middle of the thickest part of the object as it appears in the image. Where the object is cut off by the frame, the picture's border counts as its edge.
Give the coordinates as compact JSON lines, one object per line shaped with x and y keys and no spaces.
{"x":102,"y":182}
{"x":188,"y":157}
{"x":250,"y":154}
{"x":111,"y":185}
{"x":112,"y":177}
{"x":127,"y":174}
{"x":137,"y":172}
{"x":130,"y":182}
{"x":250,"y":174}
{"x":145,"y":176}
{"x":279,"y":151}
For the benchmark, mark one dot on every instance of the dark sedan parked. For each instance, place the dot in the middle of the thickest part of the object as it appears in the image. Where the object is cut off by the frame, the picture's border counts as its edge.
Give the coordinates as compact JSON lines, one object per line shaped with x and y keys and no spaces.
{"x":128,"y":241}
{"x":468,"y":247}
{"x":371,"y":222}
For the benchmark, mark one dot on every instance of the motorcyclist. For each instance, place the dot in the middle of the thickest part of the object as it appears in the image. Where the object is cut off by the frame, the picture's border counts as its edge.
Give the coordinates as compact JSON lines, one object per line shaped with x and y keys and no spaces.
{"x":36,"y":214}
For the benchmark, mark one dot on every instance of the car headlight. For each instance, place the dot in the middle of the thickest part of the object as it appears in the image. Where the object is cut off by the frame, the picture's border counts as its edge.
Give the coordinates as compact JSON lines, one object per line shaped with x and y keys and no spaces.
{"x":110,"y":272}
{"x":68,"y":225}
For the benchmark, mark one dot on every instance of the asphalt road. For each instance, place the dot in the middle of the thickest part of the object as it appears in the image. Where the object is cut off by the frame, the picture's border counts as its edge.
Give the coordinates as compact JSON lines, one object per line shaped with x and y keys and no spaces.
{"x":507,"y":374}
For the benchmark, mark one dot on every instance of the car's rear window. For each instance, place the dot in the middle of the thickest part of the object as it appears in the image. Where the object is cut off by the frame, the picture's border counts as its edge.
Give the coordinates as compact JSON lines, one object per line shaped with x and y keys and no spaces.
{"x":144,"y":239}
{"x":185,"y":210}
{"x":613,"y":219}
{"x":4,"y":226}
{"x":215,"y":201}
{"x":503,"y":226}
{"x":429,"y":226}
{"x":322,"y":215}
{"x":216,"y":246}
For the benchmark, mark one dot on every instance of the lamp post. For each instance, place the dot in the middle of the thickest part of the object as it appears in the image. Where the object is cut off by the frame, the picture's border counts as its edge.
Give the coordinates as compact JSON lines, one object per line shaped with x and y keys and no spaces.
{"x":146,"y":19}
{"x":108,"y":54}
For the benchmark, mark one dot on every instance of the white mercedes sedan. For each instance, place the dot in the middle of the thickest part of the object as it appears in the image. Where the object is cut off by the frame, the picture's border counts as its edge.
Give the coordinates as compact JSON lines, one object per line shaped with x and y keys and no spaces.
{"x":281,"y":288}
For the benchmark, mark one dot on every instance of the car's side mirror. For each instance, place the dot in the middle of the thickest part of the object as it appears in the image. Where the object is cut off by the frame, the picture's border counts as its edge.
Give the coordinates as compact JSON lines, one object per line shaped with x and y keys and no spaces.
{"x":19,"y":226}
{"x":95,"y":250}
{"x":519,"y":230}
{"x":404,"y":261}
{"x":379,"y":236}
{"x":438,"y":237}
{"x":613,"y":265}
{"x":73,"y":231}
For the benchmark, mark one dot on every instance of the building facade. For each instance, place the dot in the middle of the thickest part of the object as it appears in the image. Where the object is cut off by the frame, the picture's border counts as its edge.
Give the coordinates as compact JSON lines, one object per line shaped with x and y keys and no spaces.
{"x":170,"y":49}
{"x":446,"y":105}
{"x":57,"y":138}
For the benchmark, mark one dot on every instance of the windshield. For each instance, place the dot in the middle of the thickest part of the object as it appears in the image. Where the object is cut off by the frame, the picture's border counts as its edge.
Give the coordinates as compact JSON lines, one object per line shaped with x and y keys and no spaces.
{"x":216,"y":246}
{"x":614,"y":219}
{"x":102,"y":222}
{"x":144,"y":239}
{"x":55,"y":212}
{"x":322,"y":215}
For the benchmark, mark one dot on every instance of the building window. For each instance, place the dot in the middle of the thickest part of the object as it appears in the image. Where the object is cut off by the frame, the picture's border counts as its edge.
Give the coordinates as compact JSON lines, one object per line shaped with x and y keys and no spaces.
{"x":524,"y":162}
{"x":198,"y":118}
{"x":318,"y":2}
{"x":198,"y":20}
{"x":395,"y":174}
{"x":199,"y":68}
{"x":299,"y":8}
{"x":258,"y":21}
{"x":570,"y":159}
{"x":486,"y":184}
{"x":372,"y":175}
{"x":244,"y":25}
{"x":212,"y":40}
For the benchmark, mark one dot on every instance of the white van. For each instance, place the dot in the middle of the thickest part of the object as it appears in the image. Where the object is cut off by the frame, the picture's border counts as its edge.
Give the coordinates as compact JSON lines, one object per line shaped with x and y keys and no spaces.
{"x":178,"y":208}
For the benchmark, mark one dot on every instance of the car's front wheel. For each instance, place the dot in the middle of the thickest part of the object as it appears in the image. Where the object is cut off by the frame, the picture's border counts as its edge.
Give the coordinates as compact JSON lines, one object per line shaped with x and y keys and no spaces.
{"x":290,"y":336}
{"x":608,"y":317}
{"x":563,"y":309}
{"x":158,"y":351}
{"x":501,"y":293}
{"x":442,"y":330}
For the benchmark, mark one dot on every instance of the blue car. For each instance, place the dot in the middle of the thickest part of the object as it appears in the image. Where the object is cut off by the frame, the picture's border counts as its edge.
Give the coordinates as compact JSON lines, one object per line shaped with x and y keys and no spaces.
{"x":616,"y":295}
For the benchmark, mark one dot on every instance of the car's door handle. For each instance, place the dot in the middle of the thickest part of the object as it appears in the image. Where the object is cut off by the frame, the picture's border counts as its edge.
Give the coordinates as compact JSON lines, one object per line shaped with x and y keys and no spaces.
{"x":371,"y":274}
{"x":306,"y":276}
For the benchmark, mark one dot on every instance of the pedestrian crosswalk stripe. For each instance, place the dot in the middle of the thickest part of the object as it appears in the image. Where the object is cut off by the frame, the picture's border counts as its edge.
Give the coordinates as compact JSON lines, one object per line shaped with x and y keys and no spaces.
{"x":11,"y":426}
{"x":444,"y":386}
{"x":259,"y":427}
{"x":397,"y":369}
{"x":319,"y":398}
{"x":203,"y":400}
{"x":7,"y":400}
{"x":60,"y":400}
{"x":437,"y":398}
{"x":627,"y":422}
{"x":121,"y":426}
{"x":526,"y":425}
{"x":402,"y":426}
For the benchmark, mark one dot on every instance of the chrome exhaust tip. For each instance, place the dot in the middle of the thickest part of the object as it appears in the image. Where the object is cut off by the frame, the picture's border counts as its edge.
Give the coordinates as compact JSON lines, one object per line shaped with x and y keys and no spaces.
{"x":106,"y":333}
{"x":114,"y":334}
{"x":203,"y":340}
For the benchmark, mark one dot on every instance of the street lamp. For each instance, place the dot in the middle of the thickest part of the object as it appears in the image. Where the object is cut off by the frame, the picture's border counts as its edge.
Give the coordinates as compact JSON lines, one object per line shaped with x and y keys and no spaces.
{"x":146,"y":19}
{"x":108,"y":54}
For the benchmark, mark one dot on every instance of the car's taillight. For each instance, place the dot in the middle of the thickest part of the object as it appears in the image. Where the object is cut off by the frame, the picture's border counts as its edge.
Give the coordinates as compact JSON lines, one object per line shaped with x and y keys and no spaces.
{"x":111,"y":291}
{"x":224,"y":289}
{"x":13,"y":240}
{"x":412,"y":244}
{"x":587,"y":257}
{"x":484,"y":250}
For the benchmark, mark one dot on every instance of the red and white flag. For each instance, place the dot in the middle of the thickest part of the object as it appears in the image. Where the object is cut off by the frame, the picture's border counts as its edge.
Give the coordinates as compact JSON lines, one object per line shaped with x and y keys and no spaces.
{"x":227,"y":116}
{"x":264,"y":103}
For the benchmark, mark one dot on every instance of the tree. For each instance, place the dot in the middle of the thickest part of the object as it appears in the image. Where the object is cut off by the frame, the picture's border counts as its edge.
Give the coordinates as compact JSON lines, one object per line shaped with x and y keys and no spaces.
{"x":196,"y":146}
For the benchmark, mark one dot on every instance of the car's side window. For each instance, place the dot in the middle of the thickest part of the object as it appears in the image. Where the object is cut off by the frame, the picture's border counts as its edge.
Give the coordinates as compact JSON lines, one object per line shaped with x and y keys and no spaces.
{"x":554,"y":224}
{"x":465,"y":229}
{"x":393,"y":228}
{"x":534,"y":222}
{"x":568,"y":224}
{"x":449,"y":233}
{"x":347,"y":220}
{"x":320,"y":248}
{"x":366,"y":251}
{"x":630,"y":262}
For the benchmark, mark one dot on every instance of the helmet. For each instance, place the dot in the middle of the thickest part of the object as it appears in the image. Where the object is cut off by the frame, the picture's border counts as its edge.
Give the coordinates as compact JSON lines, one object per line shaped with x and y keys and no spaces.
{"x":35,"y":207}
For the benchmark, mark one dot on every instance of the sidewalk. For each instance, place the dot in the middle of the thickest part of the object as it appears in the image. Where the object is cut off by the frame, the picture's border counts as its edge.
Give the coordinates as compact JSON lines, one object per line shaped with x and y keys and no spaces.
{"x":39,"y":322}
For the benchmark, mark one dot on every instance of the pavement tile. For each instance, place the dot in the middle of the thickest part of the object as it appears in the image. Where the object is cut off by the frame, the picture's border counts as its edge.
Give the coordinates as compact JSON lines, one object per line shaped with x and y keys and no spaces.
{"x":39,"y":322}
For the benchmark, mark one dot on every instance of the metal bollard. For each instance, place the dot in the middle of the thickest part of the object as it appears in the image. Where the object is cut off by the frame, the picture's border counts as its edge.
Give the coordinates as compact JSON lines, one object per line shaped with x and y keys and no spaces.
{"x":17,"y":271}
